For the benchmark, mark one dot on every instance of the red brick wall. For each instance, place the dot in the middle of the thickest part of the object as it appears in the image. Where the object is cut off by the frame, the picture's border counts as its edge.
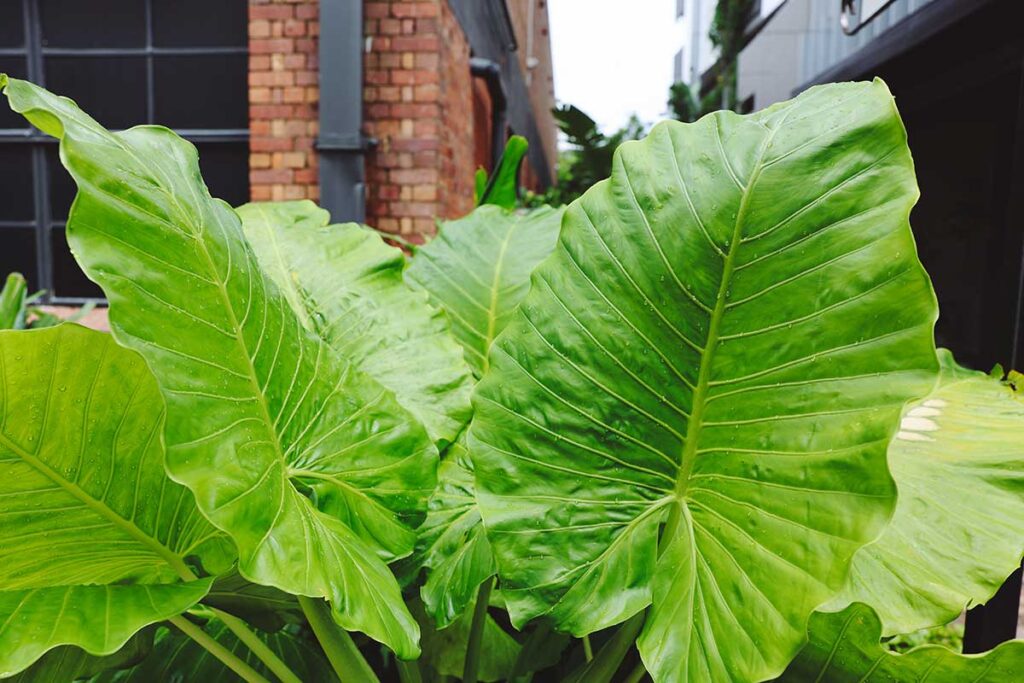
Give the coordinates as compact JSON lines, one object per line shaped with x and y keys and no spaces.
{"x":418,"y":104}
{"x":283,"y":97}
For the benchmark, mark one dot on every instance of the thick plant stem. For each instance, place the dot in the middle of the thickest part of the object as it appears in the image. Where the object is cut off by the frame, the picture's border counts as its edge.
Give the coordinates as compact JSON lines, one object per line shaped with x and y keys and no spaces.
{"x":258,"y":647}
{"x":471,"y":667}
{"x":609,"y":658}
{"x":409,"y":672}
{"x":346,"y":659}
{"x":246,"y":672}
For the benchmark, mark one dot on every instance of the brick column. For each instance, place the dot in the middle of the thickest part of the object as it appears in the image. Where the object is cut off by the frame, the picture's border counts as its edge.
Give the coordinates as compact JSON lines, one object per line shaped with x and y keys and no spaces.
{"x":283,"y":97}
{"x":418,"y":104}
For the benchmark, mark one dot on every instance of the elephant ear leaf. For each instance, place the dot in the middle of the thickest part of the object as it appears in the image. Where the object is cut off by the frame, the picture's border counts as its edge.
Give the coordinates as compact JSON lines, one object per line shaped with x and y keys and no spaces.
{"x":722,"y":341}
{"x":311,"y":466}
{"x":346,"y":285}
{"x":958,"y":462}
{"x":69,"y":663}
{"x":95,"y":540}
{"x":478,"y":270}
{"x":844,"y":647}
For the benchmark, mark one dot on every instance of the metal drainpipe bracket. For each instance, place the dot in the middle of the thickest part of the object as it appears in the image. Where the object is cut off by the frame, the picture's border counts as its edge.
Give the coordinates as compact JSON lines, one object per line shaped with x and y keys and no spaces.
{"x":345,"y":143}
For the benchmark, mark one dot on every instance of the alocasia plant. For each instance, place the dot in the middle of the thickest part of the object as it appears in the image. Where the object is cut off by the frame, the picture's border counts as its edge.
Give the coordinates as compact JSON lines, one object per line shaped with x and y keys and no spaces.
{"x":91,"y":529}
{"x":694,"y":385}
{"x":721,"y":343}
{"x":311,"y":467}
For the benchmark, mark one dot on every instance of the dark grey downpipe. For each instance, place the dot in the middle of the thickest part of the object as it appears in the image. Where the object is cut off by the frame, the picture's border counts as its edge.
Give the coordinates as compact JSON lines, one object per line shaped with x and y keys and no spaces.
{"x":489,"y":70}
{"x":341,"y":144}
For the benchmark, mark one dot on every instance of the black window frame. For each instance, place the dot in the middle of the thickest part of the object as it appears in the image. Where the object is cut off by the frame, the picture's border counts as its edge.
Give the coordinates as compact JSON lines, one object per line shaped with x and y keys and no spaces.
{"x":34,"y":53}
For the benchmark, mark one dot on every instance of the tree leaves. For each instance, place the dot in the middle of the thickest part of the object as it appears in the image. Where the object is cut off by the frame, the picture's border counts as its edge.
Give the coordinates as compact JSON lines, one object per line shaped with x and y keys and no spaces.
{"x":723,"y":339}
{"x":478,"y":270}
{"x":310,"y":466}
{"x":346,"y":285}
{"x":958,"y":462}
{"x":844,"y":648}
{"x":84,"y":500}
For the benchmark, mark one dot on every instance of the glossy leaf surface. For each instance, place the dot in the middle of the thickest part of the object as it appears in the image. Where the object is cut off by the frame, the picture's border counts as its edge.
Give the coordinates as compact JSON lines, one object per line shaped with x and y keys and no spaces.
{"x":478,"y":270}
{"x":262,"y":416}
{"x":345,"y":284}
{"x":724,"y":339}
{"x":844,"y":647}
{"x":958,"y":462}
{"x":84,"y":499}
{"x":97,"y":619}
{"x":69,"y":663}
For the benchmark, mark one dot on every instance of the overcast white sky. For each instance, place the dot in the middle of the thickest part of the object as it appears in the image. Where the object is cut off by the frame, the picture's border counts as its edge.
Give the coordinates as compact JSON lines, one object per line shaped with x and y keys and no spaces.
{"x":614,"y":57}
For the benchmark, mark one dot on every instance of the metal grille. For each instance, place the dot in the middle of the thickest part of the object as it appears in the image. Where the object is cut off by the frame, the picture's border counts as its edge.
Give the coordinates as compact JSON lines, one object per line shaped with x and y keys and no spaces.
{"x":180,"y":63}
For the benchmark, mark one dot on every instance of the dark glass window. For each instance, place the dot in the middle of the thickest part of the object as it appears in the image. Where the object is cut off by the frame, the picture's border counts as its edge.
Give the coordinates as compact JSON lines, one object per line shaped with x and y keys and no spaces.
{"x":67,"y":276}
{"x":225,"y":171}
{"x":17,"y":253}
{"x":111,"y":89}
{"x":12,"y":28}
{"x":179,"y":63}
{"x":93,"y":23}
{"x":224,"y":24}
{"x":12,"y":66}
{"x":202,"y":91}
{"x":16,"y":197}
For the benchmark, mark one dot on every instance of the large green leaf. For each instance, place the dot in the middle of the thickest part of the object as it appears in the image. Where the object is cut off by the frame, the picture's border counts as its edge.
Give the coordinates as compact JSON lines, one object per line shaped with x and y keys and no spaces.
{"x":723,"y":339}
{"x":478,"y":270}
{"x":175,"y":657}
{"x":452,"y":546}
{"x":844,"y":647}
{"x":84,"y":500}
{"x":97,"y":619}
{"x":308,"y":464}
{"x":69,"y":663}
{"x":958,"y":461}
{"x":346,"y":285}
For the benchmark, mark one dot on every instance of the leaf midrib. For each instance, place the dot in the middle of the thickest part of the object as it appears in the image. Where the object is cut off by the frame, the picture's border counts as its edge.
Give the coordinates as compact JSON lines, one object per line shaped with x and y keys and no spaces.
{"x":493,"y":305}
{"x":696,"y":422}
{"x":199,"y":237}
{"x":172,"y":558}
